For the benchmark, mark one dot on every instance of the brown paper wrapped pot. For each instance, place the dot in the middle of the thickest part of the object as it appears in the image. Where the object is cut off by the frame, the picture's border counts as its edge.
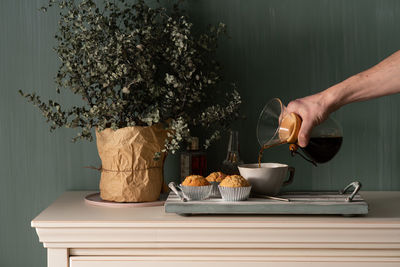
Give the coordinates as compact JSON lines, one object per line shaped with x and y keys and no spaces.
{"x":129,"y":172}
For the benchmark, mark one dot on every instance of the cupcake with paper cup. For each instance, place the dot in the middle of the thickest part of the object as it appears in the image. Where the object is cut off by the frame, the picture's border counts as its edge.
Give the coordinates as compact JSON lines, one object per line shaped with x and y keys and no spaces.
{"x":196,"y":187}
{"x":234,"y":188}
{"x":215,"y":179}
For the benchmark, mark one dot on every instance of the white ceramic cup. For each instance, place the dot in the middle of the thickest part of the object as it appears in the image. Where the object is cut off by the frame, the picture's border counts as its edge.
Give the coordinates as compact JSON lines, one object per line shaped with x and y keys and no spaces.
{"x":267,"y":179}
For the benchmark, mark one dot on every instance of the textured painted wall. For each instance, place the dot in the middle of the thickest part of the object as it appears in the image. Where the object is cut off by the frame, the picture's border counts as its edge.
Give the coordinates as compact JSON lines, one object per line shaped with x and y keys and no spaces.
{"x":279,"y":48}
{"x":290,"y":49}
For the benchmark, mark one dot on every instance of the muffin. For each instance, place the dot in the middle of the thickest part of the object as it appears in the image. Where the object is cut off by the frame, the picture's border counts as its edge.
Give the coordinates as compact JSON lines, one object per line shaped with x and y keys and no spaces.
{"x":195,"y":180}
{"x":234,"y":181}
{"x":196,"y":187}
{"x":215,"y":178}
{"x":234,"y":188}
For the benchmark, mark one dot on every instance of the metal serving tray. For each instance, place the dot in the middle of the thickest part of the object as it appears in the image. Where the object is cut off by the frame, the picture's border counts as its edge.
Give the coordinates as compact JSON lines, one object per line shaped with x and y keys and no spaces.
{"x":339,"y":203}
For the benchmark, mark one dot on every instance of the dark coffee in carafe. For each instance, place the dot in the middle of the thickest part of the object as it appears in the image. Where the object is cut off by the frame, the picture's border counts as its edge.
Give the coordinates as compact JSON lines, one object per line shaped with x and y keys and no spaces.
{"x":323,"y":149}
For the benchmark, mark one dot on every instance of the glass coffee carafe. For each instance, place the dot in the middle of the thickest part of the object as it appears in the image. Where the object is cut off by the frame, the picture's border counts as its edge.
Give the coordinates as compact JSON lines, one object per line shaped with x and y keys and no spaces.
{"x":276,"y":126}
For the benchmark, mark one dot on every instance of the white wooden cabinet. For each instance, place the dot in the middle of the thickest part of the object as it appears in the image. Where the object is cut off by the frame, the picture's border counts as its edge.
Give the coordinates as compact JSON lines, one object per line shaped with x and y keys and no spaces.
{"x":77,"y":234}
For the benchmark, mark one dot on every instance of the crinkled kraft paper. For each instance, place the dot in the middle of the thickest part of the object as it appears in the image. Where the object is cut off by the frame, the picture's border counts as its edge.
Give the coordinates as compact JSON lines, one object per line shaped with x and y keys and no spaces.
{"x":129,"y":172}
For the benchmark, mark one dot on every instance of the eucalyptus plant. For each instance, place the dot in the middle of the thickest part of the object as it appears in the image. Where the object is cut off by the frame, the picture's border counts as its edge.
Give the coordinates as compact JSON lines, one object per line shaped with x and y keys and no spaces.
{"x":136,"y":65}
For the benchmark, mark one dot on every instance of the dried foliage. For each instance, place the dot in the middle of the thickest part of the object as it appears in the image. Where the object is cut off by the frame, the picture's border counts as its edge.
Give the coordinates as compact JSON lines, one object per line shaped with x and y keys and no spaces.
{"x":136,"y":65}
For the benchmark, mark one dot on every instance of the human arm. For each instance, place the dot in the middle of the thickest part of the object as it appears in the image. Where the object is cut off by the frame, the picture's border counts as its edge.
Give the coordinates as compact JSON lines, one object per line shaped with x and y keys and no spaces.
{"x":380,"y":80}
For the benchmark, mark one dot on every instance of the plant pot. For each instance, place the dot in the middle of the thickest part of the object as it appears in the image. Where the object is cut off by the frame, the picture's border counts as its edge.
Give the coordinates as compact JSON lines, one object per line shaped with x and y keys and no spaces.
{"x":129,"y":172}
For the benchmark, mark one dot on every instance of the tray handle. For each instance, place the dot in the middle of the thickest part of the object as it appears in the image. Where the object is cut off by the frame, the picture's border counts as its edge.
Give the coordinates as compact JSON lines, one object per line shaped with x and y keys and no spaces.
{"x":175,"y":188}
{"x":357,"y":186}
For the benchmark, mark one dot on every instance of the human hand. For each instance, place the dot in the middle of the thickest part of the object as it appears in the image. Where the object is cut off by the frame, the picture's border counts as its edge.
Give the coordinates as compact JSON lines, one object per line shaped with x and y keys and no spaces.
{"x":313,"y":110}
{"x":380,"y":80}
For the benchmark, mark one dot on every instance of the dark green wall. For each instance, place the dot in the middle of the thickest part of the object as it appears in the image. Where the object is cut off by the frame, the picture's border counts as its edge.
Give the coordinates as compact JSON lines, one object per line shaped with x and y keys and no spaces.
{"x":290,"y":49}
{"x":284,"y":49}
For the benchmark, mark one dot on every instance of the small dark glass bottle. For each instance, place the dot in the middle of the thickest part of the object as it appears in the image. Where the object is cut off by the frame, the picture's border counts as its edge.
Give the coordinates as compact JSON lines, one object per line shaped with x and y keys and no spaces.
{"x":193,"y":160}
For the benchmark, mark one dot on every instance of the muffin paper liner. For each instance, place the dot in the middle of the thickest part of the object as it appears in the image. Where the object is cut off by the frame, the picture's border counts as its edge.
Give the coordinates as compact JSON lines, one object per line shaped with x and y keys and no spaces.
{"x":197,"y":192}
{"x":215,"y":190}
{"x":234,"y":193}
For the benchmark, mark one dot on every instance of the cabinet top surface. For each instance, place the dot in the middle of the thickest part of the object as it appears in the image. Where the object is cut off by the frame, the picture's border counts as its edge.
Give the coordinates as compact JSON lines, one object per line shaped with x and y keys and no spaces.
{"x":70,"y":210}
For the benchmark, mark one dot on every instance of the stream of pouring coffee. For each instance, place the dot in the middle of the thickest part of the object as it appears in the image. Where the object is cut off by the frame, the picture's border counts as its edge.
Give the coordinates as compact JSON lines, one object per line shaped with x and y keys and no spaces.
{"x":266,"y":147}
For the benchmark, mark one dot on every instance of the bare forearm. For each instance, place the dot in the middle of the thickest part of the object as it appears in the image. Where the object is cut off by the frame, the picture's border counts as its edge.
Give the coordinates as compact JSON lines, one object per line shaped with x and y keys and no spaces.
{"x":380,"y":80}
